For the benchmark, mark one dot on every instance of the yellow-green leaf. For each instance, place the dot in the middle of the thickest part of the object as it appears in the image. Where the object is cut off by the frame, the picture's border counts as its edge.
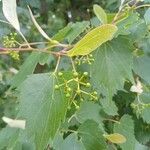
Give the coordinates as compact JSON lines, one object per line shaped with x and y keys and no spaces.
{"x":100,"y":13}
{"x":93,"y":40}
{"x":116,"y":138}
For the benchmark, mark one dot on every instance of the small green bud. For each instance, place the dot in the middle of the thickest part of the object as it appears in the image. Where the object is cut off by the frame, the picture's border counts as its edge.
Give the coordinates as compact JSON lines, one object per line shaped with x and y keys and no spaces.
{"x":85,"y":73}
{"x":82,"y":99}
{"x":69,"y":107}
{"x":60,"y":74}
{"x":96,"y":98}
{"x":90,"y":55}
{"x":95,"y":93}
{"x":88,"y":85}
{"x":77,"y":107}
{"x":56,"y":87}
{"x":78,"y":92}
{"x":69,"y":89}
{"x":75,"y":74}
{"x":67,"y":95}
{"x":76,"y":62}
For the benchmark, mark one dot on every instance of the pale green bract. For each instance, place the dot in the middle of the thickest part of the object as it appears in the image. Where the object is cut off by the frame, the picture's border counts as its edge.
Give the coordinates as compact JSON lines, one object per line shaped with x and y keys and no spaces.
{"x":115,"y":138}
{"x":100,"y":13}
{"x":10,"y":13}
{"x":42,"y":32}
{"x":93,"y":40}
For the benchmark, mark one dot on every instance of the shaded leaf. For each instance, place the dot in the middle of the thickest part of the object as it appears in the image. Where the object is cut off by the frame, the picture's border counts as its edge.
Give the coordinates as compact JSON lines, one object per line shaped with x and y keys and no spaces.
{"x":43,"y":107}
{"x":126,"y":128}
{"x":26,"y":69}
{"x":76,"y":30}
{"x":60,"y":36}
{"x":144,"y":114}
{"x":147,"y":16}
{"x":112,"y":65}
{"x":8,"y":136}
{"x":89,"y":110}
{"x":141,"y":67}
{"x":92,"y":136}
{"x":142,"y":131}
{"x":93,"y":40}
{"x":139,"y":146}
{"x":108,"y":105}
{"x":72,"y":142}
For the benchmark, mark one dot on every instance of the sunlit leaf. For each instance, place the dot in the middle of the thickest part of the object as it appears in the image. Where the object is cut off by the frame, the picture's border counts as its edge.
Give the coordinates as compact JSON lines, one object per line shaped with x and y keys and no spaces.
{"x":93,"y":40}
{"x":100,"y":13}
{"x":115,"y":138}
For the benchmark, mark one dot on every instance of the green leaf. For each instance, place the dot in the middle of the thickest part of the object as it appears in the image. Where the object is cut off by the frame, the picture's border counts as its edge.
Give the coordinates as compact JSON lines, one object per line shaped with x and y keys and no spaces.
{"x":139,"y":146}
{"x":142,"y":131}
{"x":8,"y":136}
{"x":71,"y":142}
{"x":10,"y":12}
{"x":147,"y":16}
{"x":126,"y":128}
{"x":93,"y":40}
{"x":76,"y":30}
{"x":108,"y":105}
{"x":112,"y":65}
{"x":57,"y":141}
{"x":15,"y":139}
{"x":26,"y":69}
{"x":115,"y":138}
{"x":145,"y":98}
{"x":100,"y":13}
{"x":43,"y":107}
{"x":92,"y":136}
{"x":141,"y":67}
{"x":128,"y":23}
{"x":89,"y":110}
{"x":60,"y":36}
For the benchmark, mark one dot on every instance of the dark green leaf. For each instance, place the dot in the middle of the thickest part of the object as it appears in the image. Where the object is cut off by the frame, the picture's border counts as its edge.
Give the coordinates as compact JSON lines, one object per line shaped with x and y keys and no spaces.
{"x":60,"y":36}
{"x":89,"y":110}
{"x":141,"y":67}
{"x":43,"y":107}
{"x":72,"y":142}
{"x":26,"y":69}
{"x":126,"y":128}
{"x":76,"y":30}
{"x":92,"y":136}
{"x":147,"y":16}
{"x":112,"y":65}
